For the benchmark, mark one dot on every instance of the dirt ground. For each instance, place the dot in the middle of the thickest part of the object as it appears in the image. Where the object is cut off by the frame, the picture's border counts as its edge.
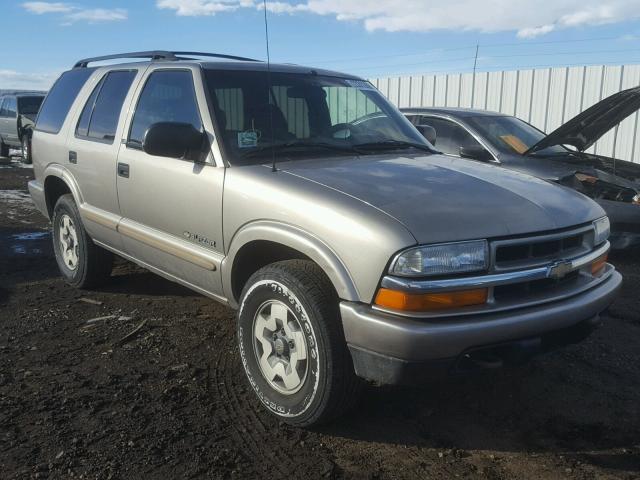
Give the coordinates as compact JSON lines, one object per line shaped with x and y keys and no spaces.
{"x":78,"y":401}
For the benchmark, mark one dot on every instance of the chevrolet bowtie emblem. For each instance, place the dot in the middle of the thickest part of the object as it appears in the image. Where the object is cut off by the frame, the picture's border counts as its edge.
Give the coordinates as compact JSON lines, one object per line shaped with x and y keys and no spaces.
{"x":559,"y":270}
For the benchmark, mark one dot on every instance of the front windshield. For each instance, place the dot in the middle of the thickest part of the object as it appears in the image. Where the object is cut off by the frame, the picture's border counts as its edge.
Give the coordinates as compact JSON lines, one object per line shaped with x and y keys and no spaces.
{"x":510,"y":134}
{"x":311,"y":115}
{"x":29,"y":105}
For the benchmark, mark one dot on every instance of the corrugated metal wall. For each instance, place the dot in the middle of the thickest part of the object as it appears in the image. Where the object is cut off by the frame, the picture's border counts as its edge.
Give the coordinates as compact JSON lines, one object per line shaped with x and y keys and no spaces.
{"x":545,"y":97}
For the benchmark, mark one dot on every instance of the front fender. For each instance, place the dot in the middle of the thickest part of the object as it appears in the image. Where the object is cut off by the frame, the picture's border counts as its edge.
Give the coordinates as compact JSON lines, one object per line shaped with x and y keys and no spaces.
{"x":298,"y":239}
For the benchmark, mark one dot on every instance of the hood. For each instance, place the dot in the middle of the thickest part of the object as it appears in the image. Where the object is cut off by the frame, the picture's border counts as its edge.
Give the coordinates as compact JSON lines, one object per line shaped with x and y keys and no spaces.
{"x":440,"y":198}
{"x":585,"y":129}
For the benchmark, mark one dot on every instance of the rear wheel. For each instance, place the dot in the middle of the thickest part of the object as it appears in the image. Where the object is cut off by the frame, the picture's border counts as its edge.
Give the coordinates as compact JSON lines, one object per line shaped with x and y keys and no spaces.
{"x":4,"y":149}
{"x":292,"y":345}
{"x":82,"y":263}
{"x":26,"y":149}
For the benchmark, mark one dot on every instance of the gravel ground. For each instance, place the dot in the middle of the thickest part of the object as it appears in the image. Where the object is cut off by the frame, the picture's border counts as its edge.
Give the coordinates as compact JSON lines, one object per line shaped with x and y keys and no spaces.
{"x":78,"y":401}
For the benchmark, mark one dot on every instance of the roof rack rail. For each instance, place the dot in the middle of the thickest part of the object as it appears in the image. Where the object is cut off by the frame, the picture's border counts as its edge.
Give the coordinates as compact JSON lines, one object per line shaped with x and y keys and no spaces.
{"x":158,"y":55}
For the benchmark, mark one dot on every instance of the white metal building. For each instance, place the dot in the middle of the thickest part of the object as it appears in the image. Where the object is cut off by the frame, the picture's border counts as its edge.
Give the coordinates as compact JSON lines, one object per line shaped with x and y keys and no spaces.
{"x":545,"y":97}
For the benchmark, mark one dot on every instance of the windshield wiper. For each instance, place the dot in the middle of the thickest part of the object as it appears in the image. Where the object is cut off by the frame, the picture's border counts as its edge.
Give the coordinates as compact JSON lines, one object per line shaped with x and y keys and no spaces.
{"x":392,"y":145}
{"x":297,"y":145}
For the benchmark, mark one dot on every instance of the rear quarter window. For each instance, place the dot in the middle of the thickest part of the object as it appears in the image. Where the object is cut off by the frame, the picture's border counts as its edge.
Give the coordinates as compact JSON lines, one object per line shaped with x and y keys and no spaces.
{"x":59,"y":100}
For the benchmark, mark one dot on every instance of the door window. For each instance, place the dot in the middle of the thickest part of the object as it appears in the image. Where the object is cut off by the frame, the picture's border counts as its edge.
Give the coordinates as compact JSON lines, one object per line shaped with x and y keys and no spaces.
{"x":168,"y":96}
{"x":99,"y":118}
{"x":449,"y":135}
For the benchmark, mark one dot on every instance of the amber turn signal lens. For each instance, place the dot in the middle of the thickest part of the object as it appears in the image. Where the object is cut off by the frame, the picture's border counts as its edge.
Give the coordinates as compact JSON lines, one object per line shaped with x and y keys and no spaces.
{"x":397,"y":300}
{"x":597,"y":267}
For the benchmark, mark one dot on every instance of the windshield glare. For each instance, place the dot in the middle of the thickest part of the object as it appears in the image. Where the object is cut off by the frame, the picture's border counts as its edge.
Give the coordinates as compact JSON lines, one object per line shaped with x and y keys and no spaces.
{"x":510,"y":134}
{"x":310,"y":114}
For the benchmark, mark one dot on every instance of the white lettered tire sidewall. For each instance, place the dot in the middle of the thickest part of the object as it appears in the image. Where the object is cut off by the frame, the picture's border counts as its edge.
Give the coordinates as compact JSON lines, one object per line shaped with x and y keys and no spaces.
{"x":301,"y":403}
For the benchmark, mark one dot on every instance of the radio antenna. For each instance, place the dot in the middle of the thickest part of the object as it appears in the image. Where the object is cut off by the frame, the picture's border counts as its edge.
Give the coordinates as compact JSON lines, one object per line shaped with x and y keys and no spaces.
{"x":266,"y":36}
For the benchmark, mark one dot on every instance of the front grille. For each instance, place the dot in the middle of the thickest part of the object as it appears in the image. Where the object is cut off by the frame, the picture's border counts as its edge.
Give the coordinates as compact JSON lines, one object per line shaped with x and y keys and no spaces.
{"x":541,"y":250}
{"x":506,"y":293}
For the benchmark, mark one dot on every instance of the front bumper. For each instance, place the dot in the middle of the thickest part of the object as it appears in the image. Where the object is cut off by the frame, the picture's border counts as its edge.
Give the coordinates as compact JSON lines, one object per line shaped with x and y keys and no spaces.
{"x":385,"y":347}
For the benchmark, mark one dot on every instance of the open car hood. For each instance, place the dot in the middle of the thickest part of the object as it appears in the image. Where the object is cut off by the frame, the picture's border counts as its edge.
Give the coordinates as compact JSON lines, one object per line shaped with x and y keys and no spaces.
{"x":585,"y":129}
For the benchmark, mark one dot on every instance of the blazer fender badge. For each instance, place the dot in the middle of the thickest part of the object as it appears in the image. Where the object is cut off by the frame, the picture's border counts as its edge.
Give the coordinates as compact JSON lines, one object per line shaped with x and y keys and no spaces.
{"x":194,"y":237}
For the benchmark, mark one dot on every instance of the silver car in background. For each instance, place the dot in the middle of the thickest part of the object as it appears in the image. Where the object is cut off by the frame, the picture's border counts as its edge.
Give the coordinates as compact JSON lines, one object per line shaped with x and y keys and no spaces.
{"x":306,"y":201}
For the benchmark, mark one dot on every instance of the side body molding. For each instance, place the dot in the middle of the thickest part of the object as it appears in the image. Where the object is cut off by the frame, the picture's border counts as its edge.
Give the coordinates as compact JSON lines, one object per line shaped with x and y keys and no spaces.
{"x":297,"y":239}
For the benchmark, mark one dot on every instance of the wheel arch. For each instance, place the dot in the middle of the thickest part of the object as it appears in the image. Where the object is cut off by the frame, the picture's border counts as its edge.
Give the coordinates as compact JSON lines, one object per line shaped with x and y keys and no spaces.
{"x":262,"y":242}
{"x":57,"y":182}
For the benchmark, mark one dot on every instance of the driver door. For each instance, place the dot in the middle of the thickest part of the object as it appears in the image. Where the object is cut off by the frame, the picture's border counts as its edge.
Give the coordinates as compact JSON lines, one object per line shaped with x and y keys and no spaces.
{"x":171,"y":207}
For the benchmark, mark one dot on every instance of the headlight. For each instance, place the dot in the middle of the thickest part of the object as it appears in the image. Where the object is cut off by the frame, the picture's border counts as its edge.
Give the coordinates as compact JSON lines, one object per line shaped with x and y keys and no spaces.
{"x":602,"y":229}
{"x":442,"y":259}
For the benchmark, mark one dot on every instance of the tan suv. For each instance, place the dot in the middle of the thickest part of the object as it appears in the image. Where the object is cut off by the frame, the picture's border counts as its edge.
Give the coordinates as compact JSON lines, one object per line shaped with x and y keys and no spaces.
{"x":304,"y":199}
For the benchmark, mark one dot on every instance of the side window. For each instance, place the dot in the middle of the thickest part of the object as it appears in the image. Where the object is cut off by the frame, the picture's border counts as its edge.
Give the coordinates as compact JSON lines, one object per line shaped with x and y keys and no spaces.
{"x":168,"y":96}
{"x":29,"y":105}
{"x":3,"y":102}
{"x":12,"y":107}
{"x":82,"y":129}
{"x":99,"y":118}
{"x":9,"y":107}
{"x":58,"y":102}
{"x":449,"y":135}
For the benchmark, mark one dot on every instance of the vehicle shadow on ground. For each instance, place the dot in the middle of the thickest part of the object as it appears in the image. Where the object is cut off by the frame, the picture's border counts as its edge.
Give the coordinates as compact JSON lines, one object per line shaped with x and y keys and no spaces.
{"x":130,"y":279}
{"x":537,"y":408}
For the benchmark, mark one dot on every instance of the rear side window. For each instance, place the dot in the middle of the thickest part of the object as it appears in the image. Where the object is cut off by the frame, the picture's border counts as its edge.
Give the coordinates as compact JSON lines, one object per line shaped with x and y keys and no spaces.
{"x":99,"y":118}
{"x":29,"y":105}
{"x":8,"y":107}
{"x":168,"y":96}
{"x":60,"y":98}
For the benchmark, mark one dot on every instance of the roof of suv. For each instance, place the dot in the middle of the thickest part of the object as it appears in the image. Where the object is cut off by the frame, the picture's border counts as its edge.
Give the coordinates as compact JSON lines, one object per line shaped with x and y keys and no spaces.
{"x":274,"y":67}
{"x":225,"y":62}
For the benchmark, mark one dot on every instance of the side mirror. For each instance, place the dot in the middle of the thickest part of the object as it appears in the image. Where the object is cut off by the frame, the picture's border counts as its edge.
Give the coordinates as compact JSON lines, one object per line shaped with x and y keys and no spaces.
{"x":475,"y":152}
{"x":428,"y":132}
{"x":173,"y":140}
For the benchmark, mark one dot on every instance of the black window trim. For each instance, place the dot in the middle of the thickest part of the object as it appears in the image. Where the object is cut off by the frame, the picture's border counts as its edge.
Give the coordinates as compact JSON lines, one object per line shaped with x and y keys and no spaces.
{"x":99,"y":85}
{"x":134,"y":146}
{"x":464,"y":127}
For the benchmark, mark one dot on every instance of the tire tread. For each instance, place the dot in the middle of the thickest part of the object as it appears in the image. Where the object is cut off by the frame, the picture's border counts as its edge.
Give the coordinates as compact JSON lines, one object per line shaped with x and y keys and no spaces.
{"x":343,"y":391}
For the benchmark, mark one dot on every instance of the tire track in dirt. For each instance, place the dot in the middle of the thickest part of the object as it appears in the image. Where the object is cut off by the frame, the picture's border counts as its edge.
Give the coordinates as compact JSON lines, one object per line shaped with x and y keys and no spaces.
{"x":248,"y":430}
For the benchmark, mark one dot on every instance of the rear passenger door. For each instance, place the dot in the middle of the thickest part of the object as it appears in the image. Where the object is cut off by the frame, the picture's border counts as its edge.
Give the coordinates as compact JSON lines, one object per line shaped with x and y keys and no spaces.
{"x":94,"y":141}
{"x":172,"y":208}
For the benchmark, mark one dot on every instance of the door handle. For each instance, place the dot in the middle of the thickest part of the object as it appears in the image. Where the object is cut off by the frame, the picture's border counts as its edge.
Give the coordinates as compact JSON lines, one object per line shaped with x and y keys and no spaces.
{"x":123,"y":170}
{"x":73,"y":157}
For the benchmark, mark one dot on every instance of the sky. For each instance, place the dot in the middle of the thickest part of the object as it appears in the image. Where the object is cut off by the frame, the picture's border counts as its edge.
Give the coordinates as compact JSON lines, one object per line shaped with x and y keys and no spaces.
{"x":370,"y":38}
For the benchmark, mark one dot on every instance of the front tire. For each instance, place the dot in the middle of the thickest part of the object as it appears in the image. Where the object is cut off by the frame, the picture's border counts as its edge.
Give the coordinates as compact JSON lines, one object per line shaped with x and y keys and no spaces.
{"x":292,"y":345}
{"x":82,"y":263}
